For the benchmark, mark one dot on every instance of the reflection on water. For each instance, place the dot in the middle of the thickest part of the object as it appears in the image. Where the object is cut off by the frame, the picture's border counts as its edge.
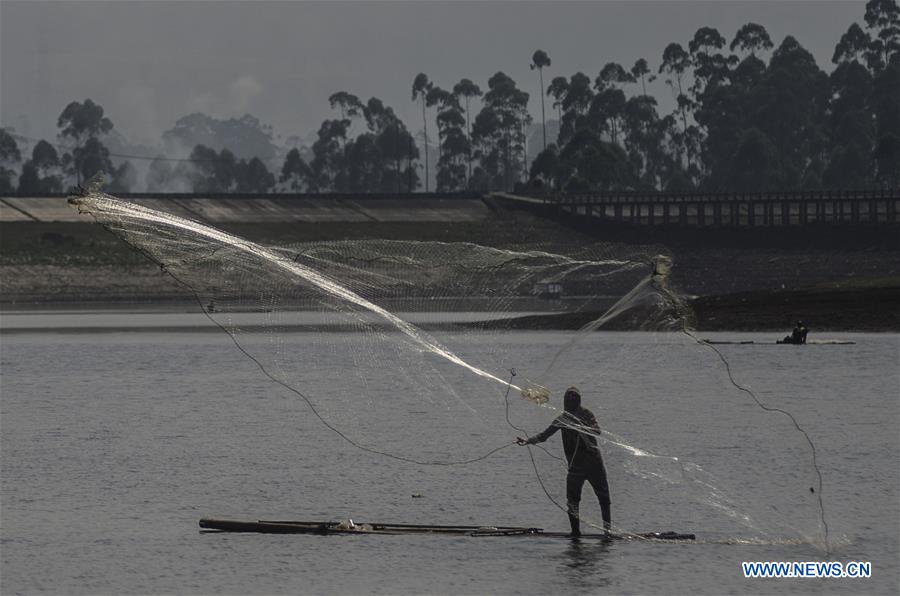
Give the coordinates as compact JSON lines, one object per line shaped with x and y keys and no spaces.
{"x":585,"y":563}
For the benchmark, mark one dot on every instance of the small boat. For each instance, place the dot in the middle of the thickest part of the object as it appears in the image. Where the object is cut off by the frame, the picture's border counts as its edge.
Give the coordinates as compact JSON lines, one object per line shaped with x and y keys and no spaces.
{"x":780,"y":342}
{"x":347,"y":527}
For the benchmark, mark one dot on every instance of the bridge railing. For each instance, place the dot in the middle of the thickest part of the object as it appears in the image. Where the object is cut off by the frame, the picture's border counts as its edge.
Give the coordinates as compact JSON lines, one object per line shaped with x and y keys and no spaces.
{"x":714,"y":197}
{"x":776,"y":208}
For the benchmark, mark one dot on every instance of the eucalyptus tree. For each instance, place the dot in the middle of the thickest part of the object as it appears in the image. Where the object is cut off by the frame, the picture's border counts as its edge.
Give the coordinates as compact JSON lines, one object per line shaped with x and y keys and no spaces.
{"x":606,"y":111}
{"x":675,"y":62}
{"x":751,"y":38}
{"x":499,"y":132}
{"x":438,"y":98}
{"x":385,"y":146}
{"x":575,"y":103}
{"x":347,"y":103}
{"x":643,"y":139}
{"x":350,"y":107}
{"x":452,"y":171}
{"x":42,"y":173}
{"x":487,"y":133}
{"x":557,"y":89}
{"x":789,"y":107}
{"x":613,"y":74}
{"x":545,"y":168}
{"x":724,"y":113}
{"x":252,"y":176}
{"x":10,"y":156}
{"x":729,"y":110}
{"x":420,"y":87}
{"x":711,"y":66}
{"x":540,"y":60}
{"x":851,"y":127}
{"x":93,"y":157}
{"x":712,"y":70}
{"x":327,"y":171}
{"x":883,"y":19}
{"x":452,"y":142}
{"x":212,"y":171}
{"x":640,"y":70}
{"x":608,"y":103}
{"x":29,"y":182}
{"x":295,"y":172}
{"x":886,"y":103}
{"x":82,"y":124}
{"x":363,"y":164}
{"x":466,"y":89}
{"x":587,"y":163}
{"x":883,"y":22}
{"x":855,"y":45}
{"x":46,"y":160}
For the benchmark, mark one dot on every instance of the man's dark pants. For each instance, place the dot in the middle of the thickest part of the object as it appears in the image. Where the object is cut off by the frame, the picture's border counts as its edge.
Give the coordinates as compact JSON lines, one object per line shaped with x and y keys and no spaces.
{"x":596,"y":475}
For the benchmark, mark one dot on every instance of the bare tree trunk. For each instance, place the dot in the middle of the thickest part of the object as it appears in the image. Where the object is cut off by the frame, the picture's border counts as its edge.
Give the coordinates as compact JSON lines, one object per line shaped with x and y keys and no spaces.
{"x":469,"y":147}
{"x":525,"y":151}
{"x":543,"y":117}
{"x":425,"y":133}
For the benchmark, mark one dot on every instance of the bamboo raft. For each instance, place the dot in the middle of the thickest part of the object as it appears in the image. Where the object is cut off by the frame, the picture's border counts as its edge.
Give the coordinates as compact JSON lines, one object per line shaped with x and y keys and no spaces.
{"x":349,"y":527}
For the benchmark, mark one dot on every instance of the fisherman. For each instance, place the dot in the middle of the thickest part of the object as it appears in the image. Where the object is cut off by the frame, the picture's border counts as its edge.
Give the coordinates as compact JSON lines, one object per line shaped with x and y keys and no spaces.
{"x":582,"y":454}
{"x":798,"y":335}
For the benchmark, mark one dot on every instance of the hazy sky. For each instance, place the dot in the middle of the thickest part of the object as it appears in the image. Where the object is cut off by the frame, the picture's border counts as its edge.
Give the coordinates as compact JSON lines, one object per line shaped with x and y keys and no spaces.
{"x":149,"y":63}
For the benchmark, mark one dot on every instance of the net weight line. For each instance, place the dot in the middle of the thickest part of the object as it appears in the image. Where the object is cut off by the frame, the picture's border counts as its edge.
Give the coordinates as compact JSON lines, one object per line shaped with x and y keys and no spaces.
{"x":796,"y":424}
{"x":292,"y":389}
{"x":313,"y":409}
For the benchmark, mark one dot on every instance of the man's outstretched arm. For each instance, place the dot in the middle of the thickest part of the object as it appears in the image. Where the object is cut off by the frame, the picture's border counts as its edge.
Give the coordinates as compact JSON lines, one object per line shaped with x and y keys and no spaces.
{"x":541,"y":436}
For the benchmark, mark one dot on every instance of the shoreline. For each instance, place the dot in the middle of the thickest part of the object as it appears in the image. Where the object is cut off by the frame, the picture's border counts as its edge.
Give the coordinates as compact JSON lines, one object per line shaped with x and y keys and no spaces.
{"x":824,"y":309}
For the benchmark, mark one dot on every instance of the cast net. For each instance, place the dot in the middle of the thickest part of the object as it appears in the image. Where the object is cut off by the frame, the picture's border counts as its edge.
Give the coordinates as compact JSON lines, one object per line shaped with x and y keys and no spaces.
{"x":439,"y":354}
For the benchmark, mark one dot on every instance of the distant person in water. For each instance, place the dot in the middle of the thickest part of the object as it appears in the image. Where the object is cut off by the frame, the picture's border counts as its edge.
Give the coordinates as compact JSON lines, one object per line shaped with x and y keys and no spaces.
{"x":582,"y":454}
{"x":798,"y":335}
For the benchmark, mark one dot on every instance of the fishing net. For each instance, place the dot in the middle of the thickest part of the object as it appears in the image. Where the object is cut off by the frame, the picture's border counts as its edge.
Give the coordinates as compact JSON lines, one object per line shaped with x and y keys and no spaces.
{"x":439,"y":354}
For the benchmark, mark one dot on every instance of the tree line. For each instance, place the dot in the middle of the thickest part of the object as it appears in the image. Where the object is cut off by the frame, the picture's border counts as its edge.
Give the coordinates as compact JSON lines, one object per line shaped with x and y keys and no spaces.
{"x":738,"y":122}
{"x":745,"y":116}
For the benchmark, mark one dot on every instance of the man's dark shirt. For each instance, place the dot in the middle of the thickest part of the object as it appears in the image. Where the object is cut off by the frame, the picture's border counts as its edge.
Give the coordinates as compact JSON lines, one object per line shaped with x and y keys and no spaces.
{"x":580,"y":448}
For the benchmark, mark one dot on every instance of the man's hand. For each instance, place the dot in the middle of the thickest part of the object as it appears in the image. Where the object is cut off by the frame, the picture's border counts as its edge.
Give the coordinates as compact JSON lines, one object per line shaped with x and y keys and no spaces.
{"x":521,"y":441}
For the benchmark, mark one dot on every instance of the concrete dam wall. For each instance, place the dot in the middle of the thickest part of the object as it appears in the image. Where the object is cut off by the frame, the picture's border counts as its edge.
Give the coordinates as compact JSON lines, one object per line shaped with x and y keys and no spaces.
{"x":227,"y":209}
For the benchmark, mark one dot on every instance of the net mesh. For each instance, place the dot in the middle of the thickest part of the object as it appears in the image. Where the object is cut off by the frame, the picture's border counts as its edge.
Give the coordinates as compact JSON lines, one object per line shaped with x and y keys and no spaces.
{"x":441,"y":353}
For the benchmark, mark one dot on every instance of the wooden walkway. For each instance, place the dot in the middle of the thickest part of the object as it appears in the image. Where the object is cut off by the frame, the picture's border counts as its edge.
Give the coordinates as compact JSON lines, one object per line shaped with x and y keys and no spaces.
{"x":723,"y":209}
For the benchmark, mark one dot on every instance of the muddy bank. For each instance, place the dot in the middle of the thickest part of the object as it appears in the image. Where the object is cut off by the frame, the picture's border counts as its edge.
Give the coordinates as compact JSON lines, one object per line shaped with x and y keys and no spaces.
{"x":848,"y":286}
{"x":821,"y":309}
{"x":832,"y":309}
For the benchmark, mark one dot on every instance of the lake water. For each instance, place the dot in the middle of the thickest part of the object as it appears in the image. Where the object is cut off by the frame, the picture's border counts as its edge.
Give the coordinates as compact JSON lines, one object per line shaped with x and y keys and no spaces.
{"x":114,"y":444}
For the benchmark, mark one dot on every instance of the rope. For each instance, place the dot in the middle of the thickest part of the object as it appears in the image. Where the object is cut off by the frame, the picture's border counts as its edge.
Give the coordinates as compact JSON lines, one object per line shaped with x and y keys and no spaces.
{"x":313,"y":409}
{"x":780,"y":411}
